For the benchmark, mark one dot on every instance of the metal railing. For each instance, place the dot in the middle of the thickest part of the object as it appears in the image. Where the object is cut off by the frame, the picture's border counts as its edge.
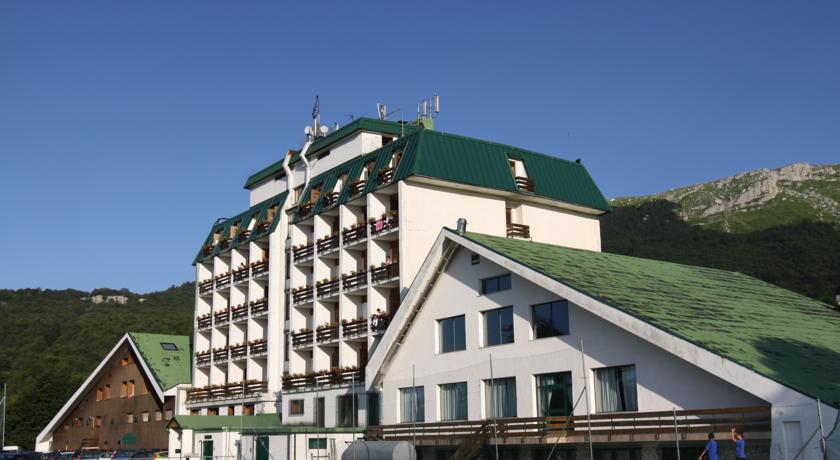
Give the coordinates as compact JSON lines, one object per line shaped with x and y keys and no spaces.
{"x":518,"y":231}
{"x":384,"y":273}
{"x":303,"y":252}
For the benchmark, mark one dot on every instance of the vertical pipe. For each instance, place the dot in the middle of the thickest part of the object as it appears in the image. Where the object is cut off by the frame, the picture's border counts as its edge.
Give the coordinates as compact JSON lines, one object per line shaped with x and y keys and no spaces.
{"x":586,"y":388}
{"x":676,"y":433}
{"x":819,"y":417}
{"x":413,"y":408}
{"x":493,"y":408}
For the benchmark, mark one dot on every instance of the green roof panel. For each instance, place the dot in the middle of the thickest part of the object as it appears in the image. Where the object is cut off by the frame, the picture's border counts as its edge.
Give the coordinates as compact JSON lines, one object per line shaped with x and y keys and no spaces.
{"x":169,"y":367}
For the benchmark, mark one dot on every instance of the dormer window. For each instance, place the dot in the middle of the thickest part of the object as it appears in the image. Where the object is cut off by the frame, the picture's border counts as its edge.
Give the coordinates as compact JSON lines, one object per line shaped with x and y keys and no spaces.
{"x":387,"y":140}
{"x":395,"y":160}
{"x":339,"y":184}
{"x":520,"y":175}
{"x":253,"y":221}
{"x":368,"y":170}
{"x":272,"y":211}
{"x":314,"y":193}
{"x":296,"y":192}
{"x":234,"y":229}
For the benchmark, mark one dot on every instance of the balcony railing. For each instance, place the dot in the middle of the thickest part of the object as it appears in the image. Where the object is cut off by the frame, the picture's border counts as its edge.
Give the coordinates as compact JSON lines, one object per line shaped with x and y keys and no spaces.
{"x":205,"y":287}
{"x":351,"y":235}
{"x":259,"y":267}
{"x":255,"y":387}
{"x":385,"y":175}
{"x":221,"y":317}
{"x":384,"y":272}
{"x":688,"y":425}
{"x":262,"y":227}
{"x":202,"y":358}
{"x":523,"y":183}
{"x":305,"y":209}
{"x":302,"y":338}
{"x":330,"y":199}
{"x":243,"y":235}
{"x":327,"y":289}
{"x":220,"y":354}
{"x":204,"y":321}
{"x":519,"y":231}
{"x":223,"y":280}
{"x":353,"y":280}
{"x":324,"y":378}
{"x":233,"y":390}
{"x":258,"y":346}
{"x":208,"y":249}
{"x":225,"y":243}
{"x":240,"y":274}
{"x":303,"y":295}
{"x":239,"y":312}
{"x":328,"y":243}
{"x":354,"y":327}
{"x":383,"y":224}
{"x":357,"y":187}
{"x":303,"y":252}
{"x":326,"y":333}
{"x":259,"y":306}
{"x":238,"y":351}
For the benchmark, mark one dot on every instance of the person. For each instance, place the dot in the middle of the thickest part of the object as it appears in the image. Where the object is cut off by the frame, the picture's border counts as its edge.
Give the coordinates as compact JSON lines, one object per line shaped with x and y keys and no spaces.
{"x":711,"y":449}
{"x":740,"y":445}
{"x":387,"y":260}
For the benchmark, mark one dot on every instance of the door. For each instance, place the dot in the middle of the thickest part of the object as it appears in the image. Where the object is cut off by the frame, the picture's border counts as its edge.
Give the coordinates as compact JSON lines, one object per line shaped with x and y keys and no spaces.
{"x":319,"y":412}
{"x":261,"y":447}
{"x":207,"y":449}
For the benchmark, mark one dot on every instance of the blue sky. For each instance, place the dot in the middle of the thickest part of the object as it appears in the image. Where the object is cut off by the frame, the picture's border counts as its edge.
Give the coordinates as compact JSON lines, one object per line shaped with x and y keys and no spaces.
{"x":126,"y":128}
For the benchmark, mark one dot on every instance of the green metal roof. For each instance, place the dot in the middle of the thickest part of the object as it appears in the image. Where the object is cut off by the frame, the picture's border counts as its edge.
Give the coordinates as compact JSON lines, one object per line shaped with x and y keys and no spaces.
{"x":782,"y":335}
{"x":258,"y":212}
{"x":464,"y":160}
{"x":219,"y":422}
{"x":359,"y":124}
{"x":169,"y":367}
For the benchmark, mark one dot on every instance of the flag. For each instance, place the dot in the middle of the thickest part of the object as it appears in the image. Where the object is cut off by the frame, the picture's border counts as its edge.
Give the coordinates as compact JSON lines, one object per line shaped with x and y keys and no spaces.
{"x":316,"y":110}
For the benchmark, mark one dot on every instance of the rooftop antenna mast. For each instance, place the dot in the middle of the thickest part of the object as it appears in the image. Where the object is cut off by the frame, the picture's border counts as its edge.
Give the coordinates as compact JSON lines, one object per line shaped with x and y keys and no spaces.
{"x":428,"y":108}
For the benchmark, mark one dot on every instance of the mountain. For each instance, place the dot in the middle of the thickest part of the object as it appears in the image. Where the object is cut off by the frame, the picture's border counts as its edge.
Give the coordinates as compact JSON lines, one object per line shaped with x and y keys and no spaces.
{"x":50,"y":341}
{"x":757,"y":200}
{"x":780,"y":225}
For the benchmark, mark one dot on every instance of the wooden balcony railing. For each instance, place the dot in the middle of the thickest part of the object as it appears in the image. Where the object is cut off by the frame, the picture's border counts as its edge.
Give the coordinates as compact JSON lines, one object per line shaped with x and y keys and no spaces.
{"x":259,"y":306}
{"x":303,"y":252}
{"x":198,"y":394}
{"x":220,"y":354}
{"x":223,"y":280}
{"x":519,"y":231}
{"x":258,"y":346}
{"x":523,"y":183}
{"x":385,"y":175}
{"x":351,"y":235}
{"x":302,"y":338}
{"x":259,"y":267}
{"x":384,"y":272}
{"x":328,"y":243}
{"x":262,"y":227}
{"x":691,"y":425}
{"x":233,"y":390}
{"x":221,"y":317}
{"x":327,"y":289}
{"x":353,"y":280}
{"x":354,"y":327}
{"x":205,"y":287}
{"x":357,"y":187}
{"x":204,"y":321}
{"x":243,"y":235}
{"x":329,"y":199}
{"x":303,"y":295}
{"x":238,"y":351}
{"x":326,"y":333}
{"x":255,"y":387}
{"x":208,"y":249}
{"x":239,"y":312}
{"x":333,"y":377}
{"x":383,"y":224}
{"x":202,"y":358}
{"x":240,"y":274}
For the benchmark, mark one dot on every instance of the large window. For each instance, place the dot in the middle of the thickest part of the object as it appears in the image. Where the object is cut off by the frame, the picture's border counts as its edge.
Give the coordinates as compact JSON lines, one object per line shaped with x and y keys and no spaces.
{"x":616,"y":389}
{"x":495,"y":284}
{"x":498,"y":326}
{"x":551,"y":319}
{"x":412,"y":405}
{"x":453,"y":401}
{"x":296,"y":407}
{"x":500,"y":397}
{"x":452,"y":334}
{"x":348,"y":407}
{"x":554,"y":394}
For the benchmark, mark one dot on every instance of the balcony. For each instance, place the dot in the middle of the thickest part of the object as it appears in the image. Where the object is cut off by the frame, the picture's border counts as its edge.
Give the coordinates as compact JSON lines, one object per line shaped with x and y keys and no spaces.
{"x":665,"y":426}
{"x":259,"y":307}
{"x":262,"y":228}
{"x":205,"y":321}
{"x":327,"y":243}
{"x":303,"y":252}
{"x":385,"y":223}
{"x":384,"y":272}
{"x":385,"y":175}
{"x":238,"y":351}
{"x":223,"y":280}
{"x":258,"y":347}
{"x":326,"y":332}
{"x":254,"y":387}
{"x":304,"y":209}
{"x":336,"y":377}
{"x":303,"y":295}
{"x":519,"y":231}
{"x":353,"y":280}
{"x":302,"y":338}
{"x":259,"y":268}
{"x":202,"y":358}
{"x":327,"y":288}
{"x":379,"y":322}
{"x":225,"y":243}
{"x":524,"y":184}
{"x":243,"y":236}
{"x":233,"y":390}
{"x":221,"y":317}
{"x":208,"y":249}
{"x":240,"y":274}
{"x":220,"y":354}
{"x":239,"y":312}
{"x":354,"y":327}
{"x":357,"y":232}
{"x":198,"y":394}
{"x":357,"y":187}
{"x":205,"y":287}
{"x":329,"y":199}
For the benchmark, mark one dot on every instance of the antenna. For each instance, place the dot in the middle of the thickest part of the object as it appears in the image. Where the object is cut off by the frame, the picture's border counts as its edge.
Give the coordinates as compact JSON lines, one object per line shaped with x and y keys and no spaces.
{"x":382,"y":110}
{"x":436,"y":103}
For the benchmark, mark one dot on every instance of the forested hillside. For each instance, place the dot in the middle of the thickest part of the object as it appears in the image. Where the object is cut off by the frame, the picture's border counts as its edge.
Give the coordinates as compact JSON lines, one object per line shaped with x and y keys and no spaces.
{"x":51,"y":340}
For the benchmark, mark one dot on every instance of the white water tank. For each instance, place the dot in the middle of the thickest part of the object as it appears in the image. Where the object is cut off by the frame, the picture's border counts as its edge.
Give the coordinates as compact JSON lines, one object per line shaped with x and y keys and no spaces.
{"x":379,"y":450}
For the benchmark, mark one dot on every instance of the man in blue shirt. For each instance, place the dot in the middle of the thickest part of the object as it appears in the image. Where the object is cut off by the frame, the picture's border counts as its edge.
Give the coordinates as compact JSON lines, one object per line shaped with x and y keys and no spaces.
{"x":711,"y":449}
{"x":740,"y":445}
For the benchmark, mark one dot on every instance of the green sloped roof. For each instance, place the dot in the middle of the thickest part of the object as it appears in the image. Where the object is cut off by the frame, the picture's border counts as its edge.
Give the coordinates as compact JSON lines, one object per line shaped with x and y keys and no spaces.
{"x":359,"y":124}
{"x":169,"y":368}
{"x":259,"y":423}
{"x":782,"y":335}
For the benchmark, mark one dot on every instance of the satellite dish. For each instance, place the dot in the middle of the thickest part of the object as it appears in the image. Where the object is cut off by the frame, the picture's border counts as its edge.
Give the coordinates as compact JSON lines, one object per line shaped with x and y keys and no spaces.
{"x":307,"y":130}
{"x":325,"y":130}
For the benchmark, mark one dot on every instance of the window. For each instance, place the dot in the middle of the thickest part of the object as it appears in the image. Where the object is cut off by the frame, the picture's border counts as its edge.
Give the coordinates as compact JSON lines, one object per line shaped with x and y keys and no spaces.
{"x":551,"y":319}
{"x":498,"y":326}
{"x":144,"y":417}
{"x":453,"y":401}
{"x":475,"y":259}
{"x":158,"y":416}
{"x":130,"y":390}
{"x":213,"y":411}
{"x":616,"y":389}
{"x":412,"y":405}
{"x":123,"y":388}
{"x":297,"y":192}
{"x":318,"y":443}
{"x":107,"y":393}
{"x":500,"y":397}
{"x":452,"y":334}
{"x":348,"y":407}
{"x":373,"y":409}
{"x":554,"y":394}
{"x":169,"y":346}
{"x":230,"y":410}
{"x":167,"y":414}
{"x":247,"y":409}
{"x":495,"y":284}
{"x":98,"y":421}
{"x":296,"y":407}
{"x":129,"y":418}
{"x":99,"y":393}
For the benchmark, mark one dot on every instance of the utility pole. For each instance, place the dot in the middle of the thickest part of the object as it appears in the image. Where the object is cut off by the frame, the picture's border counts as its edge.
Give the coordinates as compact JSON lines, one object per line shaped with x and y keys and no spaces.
{"x":3,"y":420}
